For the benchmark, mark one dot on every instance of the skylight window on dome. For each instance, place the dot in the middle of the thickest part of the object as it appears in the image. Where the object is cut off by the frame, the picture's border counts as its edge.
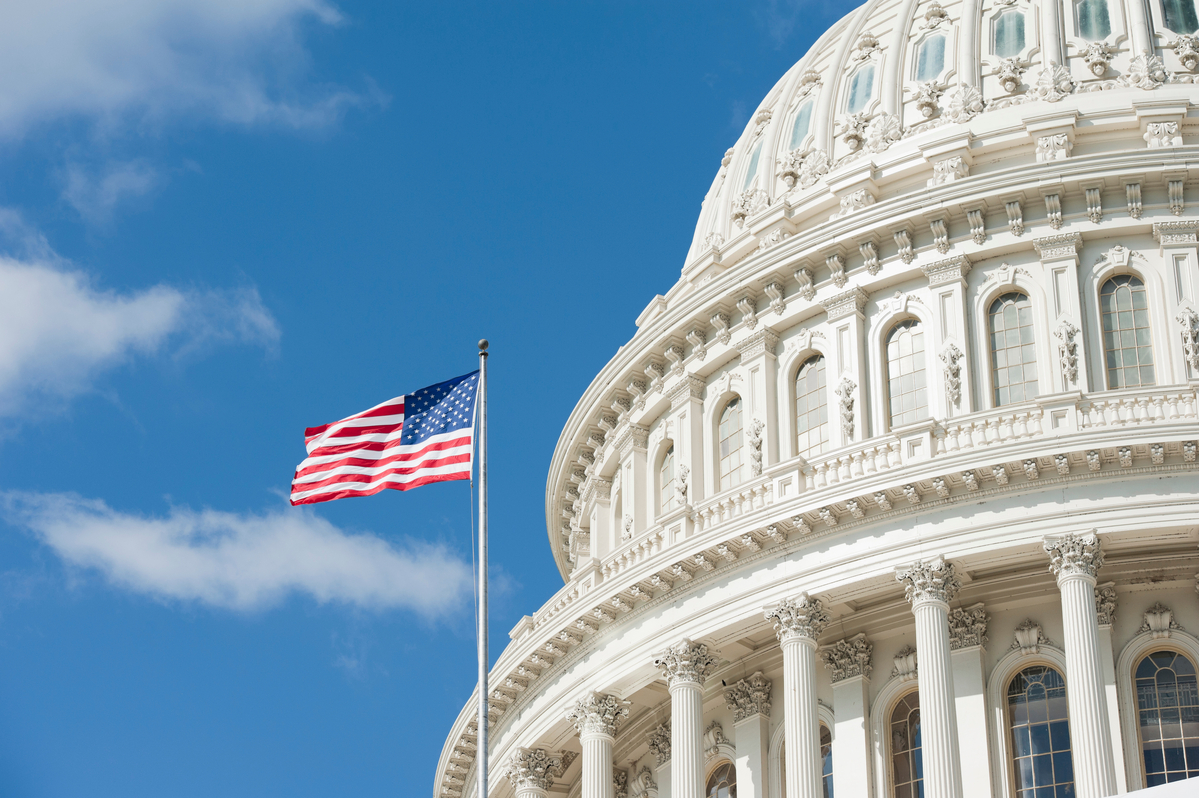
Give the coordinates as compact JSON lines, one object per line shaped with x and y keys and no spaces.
{"x":803,"y":122}
{"x":1180,"y":16}
{"x":861,"y":89}
{"x":930,"y":60}
{"x":1009,"y":34}
{"x":752,"y":171}
{"x":1094,"y":23}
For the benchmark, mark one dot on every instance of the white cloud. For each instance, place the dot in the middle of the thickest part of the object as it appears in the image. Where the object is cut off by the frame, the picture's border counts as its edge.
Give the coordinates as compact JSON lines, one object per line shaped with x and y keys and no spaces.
{"x":95,"y":196}
{"x":135,"y":61}
{"x":58,"y":330}
{"x":242,"y":562}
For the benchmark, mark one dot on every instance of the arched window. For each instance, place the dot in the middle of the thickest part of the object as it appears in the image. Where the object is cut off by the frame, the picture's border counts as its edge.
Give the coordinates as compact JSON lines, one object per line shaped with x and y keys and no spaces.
{"x":1040,"y":727}
{"x":803,"y":122}
{"x":1180,"y":16}
{"x":752,"y":171}
{"x":1168,"y":715}
{"x":1127,"y":345}
{"x":826,"y":761}
{"x":1013,"y":354}
{"x":905,"y":373}
{"x":1009,"y":34}
{"x":1093,"y":20}
{"x":811,"y":408}
{"x":730,"y":444}
{"x":723,"y":782}
{"x":861,"y":89}
{"x":907,"y":767}
{"x":930,"y":59}
{"x":666,"y":481}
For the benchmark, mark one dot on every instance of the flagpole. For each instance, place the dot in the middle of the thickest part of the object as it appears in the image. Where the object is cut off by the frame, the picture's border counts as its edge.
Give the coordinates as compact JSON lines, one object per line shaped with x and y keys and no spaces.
{"x":482,"y":450}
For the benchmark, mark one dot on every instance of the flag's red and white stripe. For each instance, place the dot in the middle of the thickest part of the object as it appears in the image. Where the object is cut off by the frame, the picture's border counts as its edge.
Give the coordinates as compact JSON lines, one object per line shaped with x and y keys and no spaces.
{"x":362,"y":455}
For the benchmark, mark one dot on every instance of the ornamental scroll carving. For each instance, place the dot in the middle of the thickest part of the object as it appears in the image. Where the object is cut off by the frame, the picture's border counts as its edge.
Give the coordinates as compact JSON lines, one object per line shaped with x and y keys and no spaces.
{"x":686,"y":663}
{"x":620,"y":783}
{"x":536,"y":768}
{"x":1029,"y":638}
{"x":714,"y":739}
{"x":598,"y":713}
{"x":932,"y":580}
{"x":1188,"y":320}
{"x":1145,"y":71}
{"x":755,"y":447}
{"x":968,"y":627}
{"x":951,"y":356}
{"x":1074,"y":555}
{"x":848,"y":658}
{"x":749,"y":697}
{"x":659,"y":743}
{"x":962,"y":103}
{"x":643,"y":784}
{"x":750,"y":201}
{"x":906,"y":664}
{"x":1067,"y":351}
{"x":845,"y":402}
{"x":801,"y":617}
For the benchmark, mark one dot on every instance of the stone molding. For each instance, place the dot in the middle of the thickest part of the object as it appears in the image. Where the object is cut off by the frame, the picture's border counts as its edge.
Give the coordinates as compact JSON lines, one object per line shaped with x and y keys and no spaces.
{"x":845,"y":304}
{"x":1065,"y":245}
{"x":950,"y":270}
{"x":1184,"y":232}
{"x":761,"y":342}
{"x":690,"y":387}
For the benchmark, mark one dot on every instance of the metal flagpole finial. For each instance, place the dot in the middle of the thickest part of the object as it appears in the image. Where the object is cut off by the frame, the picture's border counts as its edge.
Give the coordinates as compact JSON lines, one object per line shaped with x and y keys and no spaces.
{"x":483,"y":346}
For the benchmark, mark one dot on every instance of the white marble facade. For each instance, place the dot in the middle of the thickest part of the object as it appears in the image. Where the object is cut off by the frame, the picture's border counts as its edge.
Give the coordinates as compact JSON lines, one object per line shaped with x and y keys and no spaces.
{"x":910,"y":445}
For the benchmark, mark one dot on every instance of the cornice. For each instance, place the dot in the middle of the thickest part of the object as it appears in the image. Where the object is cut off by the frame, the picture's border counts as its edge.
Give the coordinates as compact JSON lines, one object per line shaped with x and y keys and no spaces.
{"x":845,"y":304}
{"x":1056,"y":247}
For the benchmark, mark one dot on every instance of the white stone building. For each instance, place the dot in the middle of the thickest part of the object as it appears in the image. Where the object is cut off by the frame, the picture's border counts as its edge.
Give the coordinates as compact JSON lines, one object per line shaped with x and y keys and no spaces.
{"x":895,"y":491}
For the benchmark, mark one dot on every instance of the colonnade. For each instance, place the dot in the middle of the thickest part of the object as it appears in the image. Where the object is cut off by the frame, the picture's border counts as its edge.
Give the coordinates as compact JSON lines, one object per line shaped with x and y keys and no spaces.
{"x":947,"y":643}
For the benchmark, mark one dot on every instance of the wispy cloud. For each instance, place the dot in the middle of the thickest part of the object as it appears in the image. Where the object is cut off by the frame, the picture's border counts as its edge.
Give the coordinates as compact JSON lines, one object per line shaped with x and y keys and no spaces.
{"x":59,"y":330}
{"x":96,"y":195}
{"x":243,"y":561}
{"x":144,"y":61}
{"x":781,"y":17}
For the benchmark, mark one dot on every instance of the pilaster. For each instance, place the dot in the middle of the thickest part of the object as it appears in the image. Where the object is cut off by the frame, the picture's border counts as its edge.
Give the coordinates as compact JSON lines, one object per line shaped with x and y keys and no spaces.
{"x":947,"y":284}
{"x":687,"y":416}
{"x":848,"y":361}
{"x":967,"y":645}
{"x":760,"y":365}
{"x":850,"y":666}
{"x":1179,"y":243}
{"x":1105,"y":610}
{"x":634,"y":479}
{"x":749,"y":699}
{"x":1059,"y":256}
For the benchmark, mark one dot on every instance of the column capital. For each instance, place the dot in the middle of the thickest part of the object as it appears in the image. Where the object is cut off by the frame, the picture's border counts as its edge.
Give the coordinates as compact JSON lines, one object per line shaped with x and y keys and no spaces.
{"x":968,"y":627}
{"x":929,"y":581}
{"x":598,"y":713}
{"x":686,"y":663}
{"x":849,"y":658}
{"x":659,"y":743}
{"x":801,"y":617}
{"x":536,"y":768}
{"x":1074,"y":555}
{"x":749,"y":697}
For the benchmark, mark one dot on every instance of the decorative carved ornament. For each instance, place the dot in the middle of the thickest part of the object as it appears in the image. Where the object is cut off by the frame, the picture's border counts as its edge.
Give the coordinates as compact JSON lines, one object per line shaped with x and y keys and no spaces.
{"x":951,"y":356}
{"x":1188,"y":321}
{"x":1009,"y":72}
{"x":749,"y":697}
{"x":931,"y":580}
{"x":1029,"y":638}
{"x":1067,"y":350}
{"x":643,"y":784}
{"x":686,"y":663}
{"x":905,"y":664}
{"x":961,"y":103}
{"x":755,"y":446}
{"x":659,"y":743}
{"x":1159,"y":620}
{"x":1145,"y":71}
{"x":1105,"y":604}
{"x":1074,"y":555}
{"x":802,"y":617}
{"x":1053,"y":83}
{"x":598,"y":713}
{"x":714,"y":738}
{"x":845,"y":395}
{"x":846,"y":659}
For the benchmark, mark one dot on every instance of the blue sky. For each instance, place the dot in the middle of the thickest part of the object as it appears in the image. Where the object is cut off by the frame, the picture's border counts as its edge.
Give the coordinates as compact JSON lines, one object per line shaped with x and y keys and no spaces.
{"x":222,"y":221}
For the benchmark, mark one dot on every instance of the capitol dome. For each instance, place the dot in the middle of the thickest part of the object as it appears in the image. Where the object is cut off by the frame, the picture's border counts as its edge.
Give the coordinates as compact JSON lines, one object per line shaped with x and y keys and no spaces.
{"x":895,"y":491}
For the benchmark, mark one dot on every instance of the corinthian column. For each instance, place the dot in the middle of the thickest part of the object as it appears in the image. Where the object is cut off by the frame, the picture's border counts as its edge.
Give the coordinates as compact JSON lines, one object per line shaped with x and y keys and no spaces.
{"x":798,"y":622}
{"x":1075,"y":561}
{"x":686,"y":665}
{"x":532,"y":770}
{"x":929,"y":587}
{"x":596,"y":717}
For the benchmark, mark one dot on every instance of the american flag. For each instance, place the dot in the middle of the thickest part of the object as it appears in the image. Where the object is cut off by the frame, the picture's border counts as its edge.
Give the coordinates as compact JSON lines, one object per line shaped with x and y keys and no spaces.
{"x":412,"y":440}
